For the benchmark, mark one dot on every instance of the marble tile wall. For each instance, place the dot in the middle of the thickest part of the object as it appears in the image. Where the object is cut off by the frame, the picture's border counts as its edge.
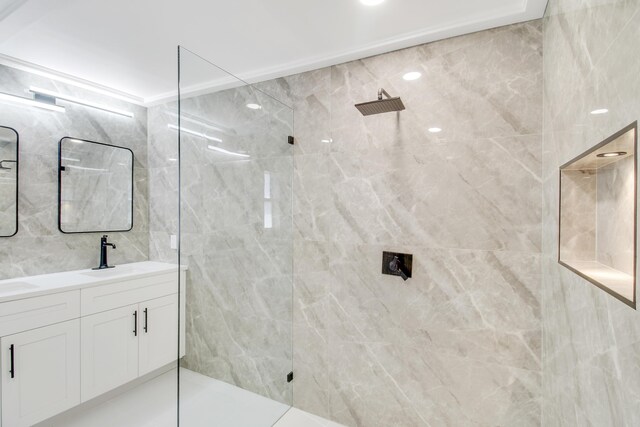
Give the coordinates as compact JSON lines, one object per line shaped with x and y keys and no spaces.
{"x":163,"y":181}
{"x":590,"y":340}
{"x":459,"y":343}
{"x":236,"y":233}
{"x":39,"y":247}
{"x":616,"y":220}
{"x":579,"y":215}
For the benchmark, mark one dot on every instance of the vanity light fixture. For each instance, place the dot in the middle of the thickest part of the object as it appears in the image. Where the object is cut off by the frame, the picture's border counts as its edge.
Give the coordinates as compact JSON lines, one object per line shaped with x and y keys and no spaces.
{"x":600,"y":111}
{"x":254,"y":106}
{"x":223,"y":151}
{"x":612,"y":154}
{"x":195,"y":133}
{"x":413,"y":75}
{"x":371,"y":2}
{"x":31,"y":102}
{"x":435,"y":130}
{"x":56,"y":95}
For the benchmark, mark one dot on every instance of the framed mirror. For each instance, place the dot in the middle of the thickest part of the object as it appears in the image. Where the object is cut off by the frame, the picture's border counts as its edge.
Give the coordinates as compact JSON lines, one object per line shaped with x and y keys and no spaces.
{"x":95,"y":187}
{"x":8,"y":181}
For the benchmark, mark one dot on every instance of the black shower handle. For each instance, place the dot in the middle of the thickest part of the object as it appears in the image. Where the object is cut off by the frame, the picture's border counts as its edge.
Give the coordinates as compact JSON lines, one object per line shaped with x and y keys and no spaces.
{"x":396,"y":266}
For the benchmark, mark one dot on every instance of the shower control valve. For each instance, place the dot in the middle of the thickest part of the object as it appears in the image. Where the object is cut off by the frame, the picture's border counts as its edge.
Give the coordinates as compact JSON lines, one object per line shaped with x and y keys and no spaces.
{"x":397,"y":264}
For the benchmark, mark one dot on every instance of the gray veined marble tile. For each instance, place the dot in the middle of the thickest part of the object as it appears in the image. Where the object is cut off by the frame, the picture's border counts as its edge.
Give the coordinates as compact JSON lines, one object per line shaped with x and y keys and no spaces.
{"x":417,"y":196}
{"x":39,"y":247}
{"x":590,"y":339}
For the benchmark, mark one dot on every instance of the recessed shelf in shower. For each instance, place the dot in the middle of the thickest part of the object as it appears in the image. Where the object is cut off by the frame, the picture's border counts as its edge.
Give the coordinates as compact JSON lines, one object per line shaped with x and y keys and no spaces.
{"x":597,"y":236}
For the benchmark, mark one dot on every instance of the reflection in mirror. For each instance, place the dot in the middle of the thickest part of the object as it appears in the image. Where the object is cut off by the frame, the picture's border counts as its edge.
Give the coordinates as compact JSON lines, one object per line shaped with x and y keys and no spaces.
{"x":8,"y":181}
{"x":95,"y":187}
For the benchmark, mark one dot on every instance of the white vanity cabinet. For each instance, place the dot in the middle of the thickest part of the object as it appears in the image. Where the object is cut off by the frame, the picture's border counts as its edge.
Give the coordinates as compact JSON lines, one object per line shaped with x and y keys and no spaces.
{"x":123,"y":344}
{"x":68,"y":345}
{"x":109,"y":350}
{"x":40,"y":373}
{"x":158,"y":344}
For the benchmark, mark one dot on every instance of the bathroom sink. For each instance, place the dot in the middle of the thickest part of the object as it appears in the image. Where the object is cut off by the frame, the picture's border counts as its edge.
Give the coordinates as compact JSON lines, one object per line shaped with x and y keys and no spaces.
{"x":116,"y":271}
{"x":16,"y":287}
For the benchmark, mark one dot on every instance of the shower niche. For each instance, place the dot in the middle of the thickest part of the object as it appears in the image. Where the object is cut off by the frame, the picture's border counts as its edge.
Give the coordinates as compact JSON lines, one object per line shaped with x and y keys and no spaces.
{"x":597,"y":236}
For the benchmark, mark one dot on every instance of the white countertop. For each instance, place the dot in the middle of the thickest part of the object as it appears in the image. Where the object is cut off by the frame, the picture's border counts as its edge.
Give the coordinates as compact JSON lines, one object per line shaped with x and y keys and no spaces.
{"x":27,"y":287}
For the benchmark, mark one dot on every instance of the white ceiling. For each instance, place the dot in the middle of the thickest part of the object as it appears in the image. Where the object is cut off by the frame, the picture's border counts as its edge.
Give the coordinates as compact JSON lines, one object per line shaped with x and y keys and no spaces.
{"x":130,"y":45}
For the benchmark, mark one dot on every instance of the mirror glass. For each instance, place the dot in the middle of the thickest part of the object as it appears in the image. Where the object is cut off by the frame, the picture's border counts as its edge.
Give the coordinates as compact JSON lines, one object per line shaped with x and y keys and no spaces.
{"x":95,"y":191}
{"x":8,"y":181}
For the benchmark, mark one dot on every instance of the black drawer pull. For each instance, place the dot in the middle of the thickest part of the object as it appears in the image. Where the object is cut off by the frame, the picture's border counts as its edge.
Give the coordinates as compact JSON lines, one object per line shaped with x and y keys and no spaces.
{"x":146,"y":318}
{"x":12,"y":371}
{"x":135,"y":323}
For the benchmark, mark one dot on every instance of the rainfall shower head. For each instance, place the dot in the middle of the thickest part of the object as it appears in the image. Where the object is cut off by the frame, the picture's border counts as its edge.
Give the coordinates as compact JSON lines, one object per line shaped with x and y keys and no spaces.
{"x":381,"y":105}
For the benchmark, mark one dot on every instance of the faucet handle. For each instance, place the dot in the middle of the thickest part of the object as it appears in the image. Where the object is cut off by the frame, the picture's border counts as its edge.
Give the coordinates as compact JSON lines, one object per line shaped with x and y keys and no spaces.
{"x":394,"y":265}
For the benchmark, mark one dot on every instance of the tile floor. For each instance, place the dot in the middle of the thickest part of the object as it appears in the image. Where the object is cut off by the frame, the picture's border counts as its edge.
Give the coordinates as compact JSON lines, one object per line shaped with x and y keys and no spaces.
{"x":206,"y":402}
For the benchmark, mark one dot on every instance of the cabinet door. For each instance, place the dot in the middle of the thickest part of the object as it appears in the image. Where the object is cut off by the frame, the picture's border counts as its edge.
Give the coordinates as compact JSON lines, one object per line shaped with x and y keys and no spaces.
{"x":159,"y":333}
{"x":109,"y":350}
{"x":40,"y":373}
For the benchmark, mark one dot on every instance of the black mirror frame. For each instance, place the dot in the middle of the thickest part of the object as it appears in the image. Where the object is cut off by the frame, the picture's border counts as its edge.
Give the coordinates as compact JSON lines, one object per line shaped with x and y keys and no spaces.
{"x":17,"y":178}
{"x":60,"y":186}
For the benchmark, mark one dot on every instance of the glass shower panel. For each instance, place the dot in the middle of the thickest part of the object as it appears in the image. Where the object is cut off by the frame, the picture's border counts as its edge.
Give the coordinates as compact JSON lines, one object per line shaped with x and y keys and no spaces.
{"x":236,"y":167}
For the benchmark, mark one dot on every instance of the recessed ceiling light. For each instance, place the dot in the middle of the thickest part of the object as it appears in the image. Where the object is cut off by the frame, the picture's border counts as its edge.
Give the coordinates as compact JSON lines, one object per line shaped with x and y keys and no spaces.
{"x":327,"y":140}
{"x":254,"y":106}
{"x":435,"y":130}
{"x":413,"y":75}
{"x":612,"y":154}
{"x":371,"y":2}
{"x":600,"y":111}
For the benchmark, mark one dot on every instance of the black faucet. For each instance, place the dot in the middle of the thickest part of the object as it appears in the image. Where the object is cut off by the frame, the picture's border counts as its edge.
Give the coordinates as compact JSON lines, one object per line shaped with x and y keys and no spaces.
{"x":103,"y":253}
{"x":397,"y":267}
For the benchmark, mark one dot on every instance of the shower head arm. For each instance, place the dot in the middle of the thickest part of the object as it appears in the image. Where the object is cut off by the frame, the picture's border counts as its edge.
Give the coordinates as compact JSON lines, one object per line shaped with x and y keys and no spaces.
{"x":382,"y":91}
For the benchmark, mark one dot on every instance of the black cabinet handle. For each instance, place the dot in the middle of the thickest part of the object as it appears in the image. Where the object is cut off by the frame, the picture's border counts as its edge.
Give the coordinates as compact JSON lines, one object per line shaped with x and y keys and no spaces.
{"x":12,"y":371}
{"x":146,"y":318}
{"x":135,"y":323}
